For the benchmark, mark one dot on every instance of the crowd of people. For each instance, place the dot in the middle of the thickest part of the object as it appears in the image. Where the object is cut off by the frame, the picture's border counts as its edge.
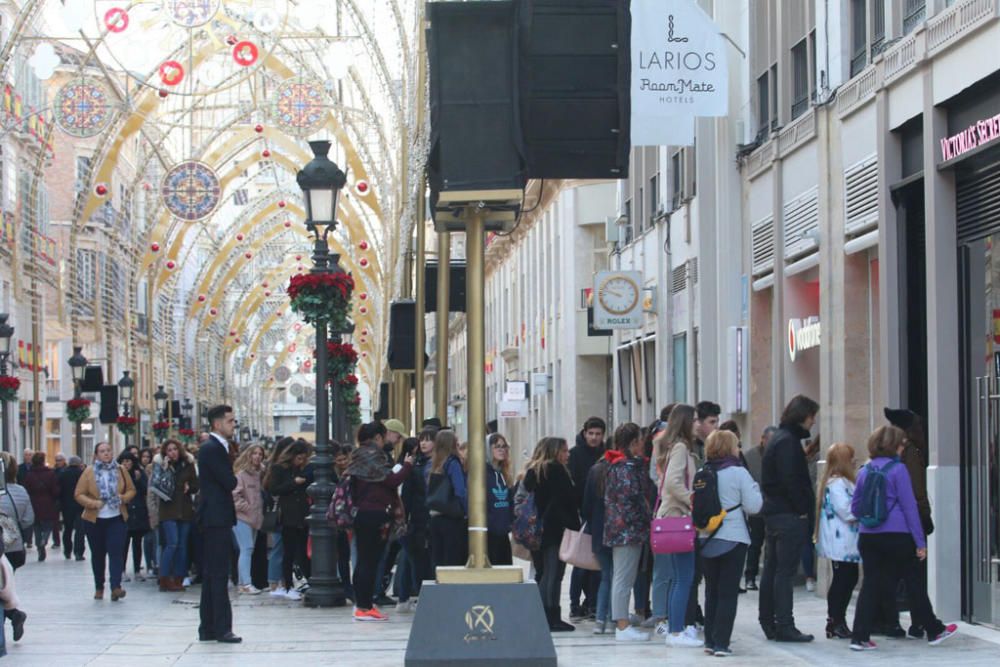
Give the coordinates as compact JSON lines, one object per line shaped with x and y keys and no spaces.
{"x":676,"y":518}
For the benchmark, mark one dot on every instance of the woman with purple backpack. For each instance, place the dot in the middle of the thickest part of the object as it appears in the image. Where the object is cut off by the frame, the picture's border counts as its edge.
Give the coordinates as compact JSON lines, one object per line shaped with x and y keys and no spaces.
{"x":892,"y":540}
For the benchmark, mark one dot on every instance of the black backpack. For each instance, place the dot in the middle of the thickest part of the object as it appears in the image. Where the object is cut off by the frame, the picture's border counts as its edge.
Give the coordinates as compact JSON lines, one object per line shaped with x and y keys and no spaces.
{"x":705,"y":503}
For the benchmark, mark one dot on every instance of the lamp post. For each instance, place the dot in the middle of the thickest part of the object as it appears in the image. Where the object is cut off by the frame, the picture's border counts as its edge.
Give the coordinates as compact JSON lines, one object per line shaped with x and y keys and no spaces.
{"x":186,"y":408}
{"x":125,"y":386}
{"x":6,"y":332}
{"x":160,"y":397}
{"x":321,"y":181}
{"x":78,"y":366}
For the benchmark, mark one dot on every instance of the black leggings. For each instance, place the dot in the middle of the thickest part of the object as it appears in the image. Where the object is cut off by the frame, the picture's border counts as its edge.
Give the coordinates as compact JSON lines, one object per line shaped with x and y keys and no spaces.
{"x":498,"y":548}
{"x":369,"y":536}
{"x":294,"y":540}
{"x":845,"y":578}
{"x":449,"y":541}
{"x":135,"y":537}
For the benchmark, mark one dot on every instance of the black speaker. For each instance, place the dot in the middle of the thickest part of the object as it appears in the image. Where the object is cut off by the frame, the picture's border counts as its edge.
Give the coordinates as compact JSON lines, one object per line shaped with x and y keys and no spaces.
{"x":402,"y":339}
{"x":383,"y":401}
{"x":456,"y":287}
{"x":175,"y":410}
{"x":475,"y":133}
{"x":574,"y":59}
{"x":93,"y":380}
{"x":109,"y":404}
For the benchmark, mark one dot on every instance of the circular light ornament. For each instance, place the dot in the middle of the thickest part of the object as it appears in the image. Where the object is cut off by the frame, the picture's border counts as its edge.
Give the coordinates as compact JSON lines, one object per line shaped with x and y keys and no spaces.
{"x":101,"y":189}
{"x":155,"y":247}
{"x":82,"y":108}
{"x":116,"y":19}
{"x":362,"y":188}
{"x":245,"y":53}
{"x":171,"y":73}
{"x":298,"y":105}
{"x":191,"y":13}
{"x":191,"y":191}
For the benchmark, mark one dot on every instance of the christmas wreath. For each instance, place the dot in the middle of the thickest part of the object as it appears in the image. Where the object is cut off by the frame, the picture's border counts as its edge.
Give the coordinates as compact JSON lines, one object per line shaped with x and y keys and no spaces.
{"x":187,"y":435}
{"x":77,"y":410}
{"x":322,"y":298}
{"x":160,"y":429}
{"x":8,"y":388}
{"x":127,"y":425}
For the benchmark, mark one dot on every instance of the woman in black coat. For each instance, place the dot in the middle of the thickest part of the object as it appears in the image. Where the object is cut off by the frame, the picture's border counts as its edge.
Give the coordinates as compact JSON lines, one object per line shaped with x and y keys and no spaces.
{"x":287,"y":482}
{"x":555,"y":499}
{"x":138,"y":514}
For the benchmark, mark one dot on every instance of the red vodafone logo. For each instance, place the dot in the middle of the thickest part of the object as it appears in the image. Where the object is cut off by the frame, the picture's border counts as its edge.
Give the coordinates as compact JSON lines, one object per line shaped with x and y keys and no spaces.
{"x":791,"y":339}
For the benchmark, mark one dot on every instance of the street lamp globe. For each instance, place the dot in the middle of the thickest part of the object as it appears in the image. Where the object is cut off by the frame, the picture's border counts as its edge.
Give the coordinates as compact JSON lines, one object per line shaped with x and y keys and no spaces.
{"x":6,"y":332}
{"x":125,"y":386}
{"x":161,"y":398}
{"x":78,"y":364}
{"x":321,"y":181}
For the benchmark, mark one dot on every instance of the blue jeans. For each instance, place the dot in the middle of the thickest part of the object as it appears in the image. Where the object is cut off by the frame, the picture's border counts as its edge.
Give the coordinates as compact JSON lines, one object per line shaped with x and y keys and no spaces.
{"x":275,"y":558}
{"x":173,"y":561}
{"x":680,"y":589}
{"x":663,"y":574}
{"x":245,"y":537}
{"x":603,"y":612}
{"x":150,"y":548}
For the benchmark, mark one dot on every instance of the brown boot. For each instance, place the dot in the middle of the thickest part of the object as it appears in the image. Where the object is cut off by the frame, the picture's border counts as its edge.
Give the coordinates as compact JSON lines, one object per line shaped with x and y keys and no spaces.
{"x":99,"y":594}
{"x":179,"y":584}
{"x":117,"y":594}
{"x":165,"y":584}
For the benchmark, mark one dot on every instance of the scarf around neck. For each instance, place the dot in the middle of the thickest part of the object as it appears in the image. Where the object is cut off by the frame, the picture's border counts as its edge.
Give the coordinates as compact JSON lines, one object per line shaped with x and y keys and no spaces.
{"x":368,"y":464}
{"x":106,"y":475}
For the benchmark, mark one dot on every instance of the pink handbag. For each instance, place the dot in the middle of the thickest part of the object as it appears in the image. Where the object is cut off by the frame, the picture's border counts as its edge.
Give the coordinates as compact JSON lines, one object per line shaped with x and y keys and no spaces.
{"x":671,"y":534}
{"x":576,"y":550}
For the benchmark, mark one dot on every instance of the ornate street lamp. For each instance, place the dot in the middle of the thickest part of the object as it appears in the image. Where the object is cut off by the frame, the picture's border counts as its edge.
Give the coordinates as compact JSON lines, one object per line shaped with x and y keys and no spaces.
{"x":186,"y":408}
{"x":161,"y":401}
{"x":78,"y":366}
{"x":125,"y":386}
{"x":6,"y":332}
{"x":321,"y":182}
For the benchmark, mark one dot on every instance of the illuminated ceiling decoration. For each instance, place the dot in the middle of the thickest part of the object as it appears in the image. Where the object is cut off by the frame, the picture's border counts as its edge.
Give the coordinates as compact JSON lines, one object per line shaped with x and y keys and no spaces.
{"x":83,"y":107}
{"x":191,"y":191}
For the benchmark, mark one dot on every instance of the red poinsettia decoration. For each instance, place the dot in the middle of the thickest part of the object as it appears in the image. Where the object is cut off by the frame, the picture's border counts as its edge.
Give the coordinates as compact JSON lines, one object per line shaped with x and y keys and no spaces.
{"x":8,"y":387}
{"x":127,"y":425}
{"x":322,"y":298}
{"x":187,"y":435}
{"x":350,"y":380}
{"x":77,"y":410}
{"x":161,"y":428}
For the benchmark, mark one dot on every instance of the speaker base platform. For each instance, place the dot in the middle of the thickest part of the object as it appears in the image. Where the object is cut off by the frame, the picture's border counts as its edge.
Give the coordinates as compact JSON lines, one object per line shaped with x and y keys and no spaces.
{"x":479,"y":625}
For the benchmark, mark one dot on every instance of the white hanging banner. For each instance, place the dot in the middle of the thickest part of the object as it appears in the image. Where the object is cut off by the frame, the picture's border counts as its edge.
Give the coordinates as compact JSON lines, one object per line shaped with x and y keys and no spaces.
{"x":679,"y":69}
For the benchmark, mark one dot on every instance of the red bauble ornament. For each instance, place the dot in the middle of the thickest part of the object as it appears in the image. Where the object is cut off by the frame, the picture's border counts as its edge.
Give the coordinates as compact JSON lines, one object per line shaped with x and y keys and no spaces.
{"x":288,"y":223}
{"x":201,"y":298}
{"x":281,"y":204}
{"x":147,"y":187}
{"x":267,"y":293}
{"x":171,"y":265}
{"x":264,"y":284}
{"x":237,"y":340}
{"x":361,"y":187}
{"x":231,"y":40}
{"x":364,"y":355}
{"x":298,"y":258}
{"x":364,"y":332}
{"x":258,"y":128}
{"x":101,"y":189}
{"x":265,"y":153}
{"x":213,"y":312}
{"x":281,"y":313}
{"x":163,"y":93}
{"x":363,"y":262}
{"x":240,"y":237}
{"x":362,"y":310}
{"x":155,"y":247}
{"x":232,"y":332}
{"x":248,"y":255}
{"x":363,"y":245}
{"x":363,"y":296}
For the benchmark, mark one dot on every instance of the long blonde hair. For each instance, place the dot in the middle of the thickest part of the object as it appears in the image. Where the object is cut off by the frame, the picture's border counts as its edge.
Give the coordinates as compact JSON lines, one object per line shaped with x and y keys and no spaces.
{"x":502,"y":466}
{"x":445,"y":446}
{"x":680,"y":428}
{"x":243,"y":461}
{"x":546,"y":451}
{"x":839,"y":463}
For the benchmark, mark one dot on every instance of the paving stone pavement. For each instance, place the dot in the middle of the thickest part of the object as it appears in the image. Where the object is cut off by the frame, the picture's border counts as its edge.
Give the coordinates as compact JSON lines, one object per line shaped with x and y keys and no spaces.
{"x":66,"y":628}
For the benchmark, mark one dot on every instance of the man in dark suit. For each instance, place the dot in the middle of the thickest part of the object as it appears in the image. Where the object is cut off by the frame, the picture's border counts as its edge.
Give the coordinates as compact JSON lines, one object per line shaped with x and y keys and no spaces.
{"x":216,"y":517}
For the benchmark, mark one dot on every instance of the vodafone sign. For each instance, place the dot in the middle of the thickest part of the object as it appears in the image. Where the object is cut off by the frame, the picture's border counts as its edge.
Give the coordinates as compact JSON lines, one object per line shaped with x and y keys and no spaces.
{"x":802,"y":335}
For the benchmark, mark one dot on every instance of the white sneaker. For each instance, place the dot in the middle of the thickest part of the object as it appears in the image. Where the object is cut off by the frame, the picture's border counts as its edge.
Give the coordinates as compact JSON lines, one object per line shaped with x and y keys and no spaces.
{"x":250,"y":590}
{"x":811,"y":585}
{"x":630,"y":634}
{"x":293,"y":595}
{"x":683,"y":640}
{"x":635,"y":619}
{"x":691,"y":631}
{"x":600,"y":627}
{"x":406,"y":607}
{"x":279,"y":592}
{"x":662,"y":629}
{"x":187,"y":582}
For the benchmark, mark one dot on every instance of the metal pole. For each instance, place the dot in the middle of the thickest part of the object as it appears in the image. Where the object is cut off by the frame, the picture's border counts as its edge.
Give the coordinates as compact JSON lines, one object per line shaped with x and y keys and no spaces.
{"x":420,"y":336}
{"x":79,"y":425}
{"x":475,"y":252}
{"x":325,"y":587}
{"x":441,"y":375}
{"x":6,"y":435}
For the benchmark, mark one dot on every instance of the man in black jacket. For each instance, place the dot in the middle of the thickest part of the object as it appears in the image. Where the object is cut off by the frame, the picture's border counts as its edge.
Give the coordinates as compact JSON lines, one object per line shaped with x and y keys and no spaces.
{"x":588,"y":450}
{"x":216,"y":516}
{"x":789,"y":502}
{"x":72,"y":512}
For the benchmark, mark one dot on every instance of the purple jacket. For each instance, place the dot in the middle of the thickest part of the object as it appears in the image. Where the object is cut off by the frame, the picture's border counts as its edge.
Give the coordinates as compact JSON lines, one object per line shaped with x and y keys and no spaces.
{"x":903,"y":514}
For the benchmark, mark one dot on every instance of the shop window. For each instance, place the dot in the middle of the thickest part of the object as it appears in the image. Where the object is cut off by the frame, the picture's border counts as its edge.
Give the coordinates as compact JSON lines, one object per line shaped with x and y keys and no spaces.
{"x":624,"y":370}
{"x":878,"y":27}
{"x":641,"y":222}
{"x":637,"y":373}
{"x":676,"y":179}
{"x":763,"y":114}
{"x":680,"y":368}
{"x":859,"y":35}
{"x":774,"y":96}
{"x":629,"y":235}
{"x":800,"y":78}
{"x":914,"y":13}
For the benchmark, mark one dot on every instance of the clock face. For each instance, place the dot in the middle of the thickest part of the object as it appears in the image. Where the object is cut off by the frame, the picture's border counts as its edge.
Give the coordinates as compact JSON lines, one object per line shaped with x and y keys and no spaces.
{"x":618,"y":295}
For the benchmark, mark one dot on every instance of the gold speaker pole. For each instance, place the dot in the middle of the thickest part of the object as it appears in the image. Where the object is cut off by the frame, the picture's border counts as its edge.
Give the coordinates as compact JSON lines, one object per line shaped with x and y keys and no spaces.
{"x":443,"y":278}
{"x":475,"y":251}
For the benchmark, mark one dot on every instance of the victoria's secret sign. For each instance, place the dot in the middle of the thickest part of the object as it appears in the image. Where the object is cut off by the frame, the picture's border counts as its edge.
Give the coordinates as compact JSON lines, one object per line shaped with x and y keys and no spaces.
{"x":978,"y":134}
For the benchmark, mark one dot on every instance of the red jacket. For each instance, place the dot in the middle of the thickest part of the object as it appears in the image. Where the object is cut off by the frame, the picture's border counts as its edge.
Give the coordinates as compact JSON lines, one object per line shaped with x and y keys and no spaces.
{"x":43,"y":489}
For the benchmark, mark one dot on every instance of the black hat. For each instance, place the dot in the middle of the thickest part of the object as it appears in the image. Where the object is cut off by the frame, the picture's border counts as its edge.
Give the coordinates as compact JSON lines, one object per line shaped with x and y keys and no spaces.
{"x":433,"y":422}
{"x":901,"y":417}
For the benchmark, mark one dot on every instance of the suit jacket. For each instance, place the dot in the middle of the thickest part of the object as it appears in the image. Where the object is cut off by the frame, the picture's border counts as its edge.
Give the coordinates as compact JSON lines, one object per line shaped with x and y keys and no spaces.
{"x":217,"y":481}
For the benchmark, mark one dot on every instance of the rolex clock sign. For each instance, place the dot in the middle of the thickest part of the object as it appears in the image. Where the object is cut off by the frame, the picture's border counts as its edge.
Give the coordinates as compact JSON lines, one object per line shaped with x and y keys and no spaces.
{"x":618,"y":300}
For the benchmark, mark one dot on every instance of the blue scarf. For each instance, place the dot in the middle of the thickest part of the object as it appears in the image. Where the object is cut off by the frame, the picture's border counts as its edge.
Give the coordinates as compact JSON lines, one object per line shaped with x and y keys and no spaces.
{"x":106,"y":475}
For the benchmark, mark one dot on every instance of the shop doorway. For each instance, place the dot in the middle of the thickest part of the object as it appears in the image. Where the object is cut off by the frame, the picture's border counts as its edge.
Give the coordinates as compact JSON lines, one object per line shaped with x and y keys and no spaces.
{"x":909,"y":201}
